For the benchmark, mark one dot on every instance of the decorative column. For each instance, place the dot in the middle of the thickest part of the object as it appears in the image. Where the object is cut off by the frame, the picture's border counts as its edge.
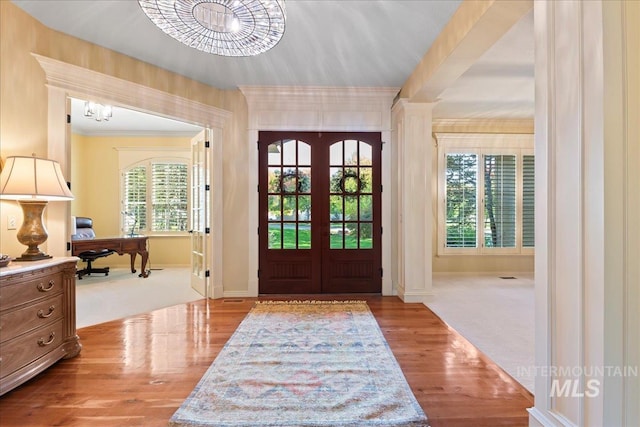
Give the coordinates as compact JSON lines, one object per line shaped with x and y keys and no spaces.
{"x":412,"y":211}
{"x":587,"y":279}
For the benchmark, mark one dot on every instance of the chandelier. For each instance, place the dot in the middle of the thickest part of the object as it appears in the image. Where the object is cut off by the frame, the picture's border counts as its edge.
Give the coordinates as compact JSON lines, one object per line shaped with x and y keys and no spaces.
{"x":221,"y":27}
{"x":99,"y":112}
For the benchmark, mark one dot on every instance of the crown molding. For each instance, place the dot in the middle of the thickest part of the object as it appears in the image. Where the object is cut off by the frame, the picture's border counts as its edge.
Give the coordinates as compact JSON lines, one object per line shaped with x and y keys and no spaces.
{"x":490,"y":125}
{"x":140,"y":133}
{"x":81,"y":82}
{"x":314,"y":95}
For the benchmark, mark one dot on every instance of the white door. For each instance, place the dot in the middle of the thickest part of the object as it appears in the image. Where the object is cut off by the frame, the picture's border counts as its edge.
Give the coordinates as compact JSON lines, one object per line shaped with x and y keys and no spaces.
{"x":200,"y":218}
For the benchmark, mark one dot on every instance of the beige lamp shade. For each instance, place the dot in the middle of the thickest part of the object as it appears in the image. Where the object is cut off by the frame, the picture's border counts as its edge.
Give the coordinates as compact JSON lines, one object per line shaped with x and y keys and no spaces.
{"x":33,"y":182}
{"x":33,"y":178}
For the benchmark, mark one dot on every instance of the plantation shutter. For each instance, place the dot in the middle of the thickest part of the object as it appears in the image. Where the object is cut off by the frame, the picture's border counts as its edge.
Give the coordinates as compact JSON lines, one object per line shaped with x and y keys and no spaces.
{"x":528,"y":201}
{"x":135,"y":199}
{"x":169,"y":196}
{"x":499,"y":201}
{"x":461,"y":188}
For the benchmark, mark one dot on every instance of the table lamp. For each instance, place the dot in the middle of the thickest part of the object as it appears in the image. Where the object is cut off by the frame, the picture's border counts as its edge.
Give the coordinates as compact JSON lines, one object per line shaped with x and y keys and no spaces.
{"x":33,"y":182}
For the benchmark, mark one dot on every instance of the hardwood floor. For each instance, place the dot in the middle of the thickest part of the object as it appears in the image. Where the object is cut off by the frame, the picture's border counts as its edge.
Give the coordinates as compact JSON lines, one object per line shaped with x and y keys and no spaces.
{"x":137,"y":371}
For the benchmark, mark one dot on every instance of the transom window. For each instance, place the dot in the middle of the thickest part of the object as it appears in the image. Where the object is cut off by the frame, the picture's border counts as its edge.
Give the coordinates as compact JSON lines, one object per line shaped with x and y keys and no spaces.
{"x":486,"y":194}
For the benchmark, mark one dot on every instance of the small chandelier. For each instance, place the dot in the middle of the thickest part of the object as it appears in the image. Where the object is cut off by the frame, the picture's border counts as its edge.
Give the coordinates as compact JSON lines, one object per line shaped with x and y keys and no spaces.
{"x":221,"y":27}
{"x":97,"y":111}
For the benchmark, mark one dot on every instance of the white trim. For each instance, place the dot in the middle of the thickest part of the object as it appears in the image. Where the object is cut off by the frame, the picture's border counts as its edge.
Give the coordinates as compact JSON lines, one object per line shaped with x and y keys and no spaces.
{"x":148,"y":149}
{"x":129,"y":159}
{"x":236,"y":294}
{"x":317,"y":109}
{"x":484,"y":125}
{"x":485,"y":140}
{"x":538,"y":419}
{"x":81,"y":83}
{"x":481,"y":144}
{"x":413,"y":188}
{"x":136,"y":133}
{"x":580,"y":208}
{"x":216,"y":281}
{"x":66,"y":80}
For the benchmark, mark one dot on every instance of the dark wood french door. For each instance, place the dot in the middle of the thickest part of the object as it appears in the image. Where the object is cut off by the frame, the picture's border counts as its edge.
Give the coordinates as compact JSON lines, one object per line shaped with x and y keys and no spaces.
{"x":320,"y":228}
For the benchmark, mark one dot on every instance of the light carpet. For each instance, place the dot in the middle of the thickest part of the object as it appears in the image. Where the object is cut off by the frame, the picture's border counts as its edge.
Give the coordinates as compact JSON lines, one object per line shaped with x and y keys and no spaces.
{"x":305,"y":363}
{"x":495,"y":315}
{"x":121,"y":294}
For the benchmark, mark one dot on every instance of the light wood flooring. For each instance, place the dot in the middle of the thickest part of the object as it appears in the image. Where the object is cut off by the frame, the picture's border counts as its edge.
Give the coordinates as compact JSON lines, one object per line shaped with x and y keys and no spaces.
{"x":137,"y":371}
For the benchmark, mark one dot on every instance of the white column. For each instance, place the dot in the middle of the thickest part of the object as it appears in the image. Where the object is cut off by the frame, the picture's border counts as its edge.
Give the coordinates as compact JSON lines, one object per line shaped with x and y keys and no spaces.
{"x":412,"y":173}
{"x":582,"y":259}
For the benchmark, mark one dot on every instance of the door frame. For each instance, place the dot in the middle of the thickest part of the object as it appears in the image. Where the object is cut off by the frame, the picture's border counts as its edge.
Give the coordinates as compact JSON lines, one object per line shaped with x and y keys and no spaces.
{"x":324,"y":109}
{"x":66,"y":80}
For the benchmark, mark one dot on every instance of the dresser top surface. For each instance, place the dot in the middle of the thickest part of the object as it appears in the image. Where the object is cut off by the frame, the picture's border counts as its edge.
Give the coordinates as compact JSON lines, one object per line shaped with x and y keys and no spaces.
{"x":24,"y":266}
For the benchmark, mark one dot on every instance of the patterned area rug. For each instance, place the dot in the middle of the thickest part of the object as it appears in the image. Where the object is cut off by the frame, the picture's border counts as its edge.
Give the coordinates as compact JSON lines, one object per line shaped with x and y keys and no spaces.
{"x":307,"y":363}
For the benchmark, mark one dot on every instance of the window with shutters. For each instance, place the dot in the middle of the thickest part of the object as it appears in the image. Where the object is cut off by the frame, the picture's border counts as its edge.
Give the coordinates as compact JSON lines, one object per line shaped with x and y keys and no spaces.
{"x":155,"y":197}
{"x":486,"y":194}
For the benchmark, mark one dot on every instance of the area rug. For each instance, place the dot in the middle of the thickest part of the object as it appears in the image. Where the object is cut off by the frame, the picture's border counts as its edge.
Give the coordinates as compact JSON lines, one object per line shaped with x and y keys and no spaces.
{"x":303,"y":363}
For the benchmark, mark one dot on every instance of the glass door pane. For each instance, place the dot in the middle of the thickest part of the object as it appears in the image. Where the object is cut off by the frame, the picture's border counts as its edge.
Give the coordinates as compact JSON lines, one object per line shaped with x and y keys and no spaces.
{"x":289,"y":194}
{"x":350,"y":195}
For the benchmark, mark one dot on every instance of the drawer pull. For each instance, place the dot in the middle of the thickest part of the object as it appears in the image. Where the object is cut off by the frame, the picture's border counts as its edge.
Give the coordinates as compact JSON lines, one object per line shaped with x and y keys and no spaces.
{"x":43,"y":315}
{"x":43,"y":343}
{"x":41,"y":287}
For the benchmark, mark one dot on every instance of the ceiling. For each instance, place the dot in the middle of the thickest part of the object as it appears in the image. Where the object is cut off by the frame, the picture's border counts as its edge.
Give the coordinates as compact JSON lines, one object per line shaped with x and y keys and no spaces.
{"x":127,"y":122}
{"x":326,"y":43}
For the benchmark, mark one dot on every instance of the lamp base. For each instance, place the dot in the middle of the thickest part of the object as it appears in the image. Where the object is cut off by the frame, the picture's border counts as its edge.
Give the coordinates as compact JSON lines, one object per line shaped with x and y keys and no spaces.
{"x":32,"y":233}
{"x":36,"y":257}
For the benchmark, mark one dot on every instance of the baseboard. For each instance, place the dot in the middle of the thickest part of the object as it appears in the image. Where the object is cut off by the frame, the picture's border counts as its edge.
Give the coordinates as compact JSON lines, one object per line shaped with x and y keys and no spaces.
{"x":137,"y":265}
{"x":413,"y":297}
{"x":218,"y":292}
{"x":537,"y":418}
{"x":236,"y":294}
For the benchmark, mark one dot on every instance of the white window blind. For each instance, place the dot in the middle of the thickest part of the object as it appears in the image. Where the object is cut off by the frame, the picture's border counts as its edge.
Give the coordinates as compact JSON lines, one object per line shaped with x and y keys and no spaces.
{"x":485,"y":194}
{"x":155,"y":196}
{"x":461,"y":190}
{"x":169,"y":196}
{"x":499,"y":201}
{"x":135,"y":199}
{"x":528,"y":201}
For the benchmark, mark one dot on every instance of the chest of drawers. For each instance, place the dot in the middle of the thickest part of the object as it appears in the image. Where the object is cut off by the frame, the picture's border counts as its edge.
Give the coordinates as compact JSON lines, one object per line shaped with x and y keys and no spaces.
{"x":37,"y":318}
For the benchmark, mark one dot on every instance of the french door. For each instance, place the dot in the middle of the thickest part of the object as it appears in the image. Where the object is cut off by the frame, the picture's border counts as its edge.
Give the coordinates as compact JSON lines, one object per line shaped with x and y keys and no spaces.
{"x":320,"y":226}
{"x":199,"y":214}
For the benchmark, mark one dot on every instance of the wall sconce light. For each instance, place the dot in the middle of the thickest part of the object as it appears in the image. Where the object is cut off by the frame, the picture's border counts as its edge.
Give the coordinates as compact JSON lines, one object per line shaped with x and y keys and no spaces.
{"x":33,"y":182}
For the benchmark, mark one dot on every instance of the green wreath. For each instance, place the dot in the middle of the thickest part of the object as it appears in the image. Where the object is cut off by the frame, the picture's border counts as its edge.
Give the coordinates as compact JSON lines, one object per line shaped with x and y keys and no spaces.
{"x":351,"y":174}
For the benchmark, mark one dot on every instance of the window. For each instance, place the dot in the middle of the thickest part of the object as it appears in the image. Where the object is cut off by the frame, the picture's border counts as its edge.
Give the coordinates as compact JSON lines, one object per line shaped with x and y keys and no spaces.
{"x":486,"y":194}
{"x":155,"y":197}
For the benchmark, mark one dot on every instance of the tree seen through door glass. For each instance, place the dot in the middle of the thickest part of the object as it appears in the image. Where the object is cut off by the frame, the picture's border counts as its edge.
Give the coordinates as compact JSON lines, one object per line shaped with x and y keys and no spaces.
{"x":289,"y":198}
{"x":351,"y":195}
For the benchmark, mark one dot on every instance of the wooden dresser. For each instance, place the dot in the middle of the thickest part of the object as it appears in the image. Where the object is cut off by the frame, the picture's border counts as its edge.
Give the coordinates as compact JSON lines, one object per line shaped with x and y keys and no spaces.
{"x":37,"y":318}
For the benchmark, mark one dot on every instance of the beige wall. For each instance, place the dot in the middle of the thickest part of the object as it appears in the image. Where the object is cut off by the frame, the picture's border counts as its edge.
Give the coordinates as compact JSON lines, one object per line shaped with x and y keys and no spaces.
{"x":95,"y":181}
{"x":23,"y":115}
{"x":235,"y":198}
{"x":23,"y":119}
